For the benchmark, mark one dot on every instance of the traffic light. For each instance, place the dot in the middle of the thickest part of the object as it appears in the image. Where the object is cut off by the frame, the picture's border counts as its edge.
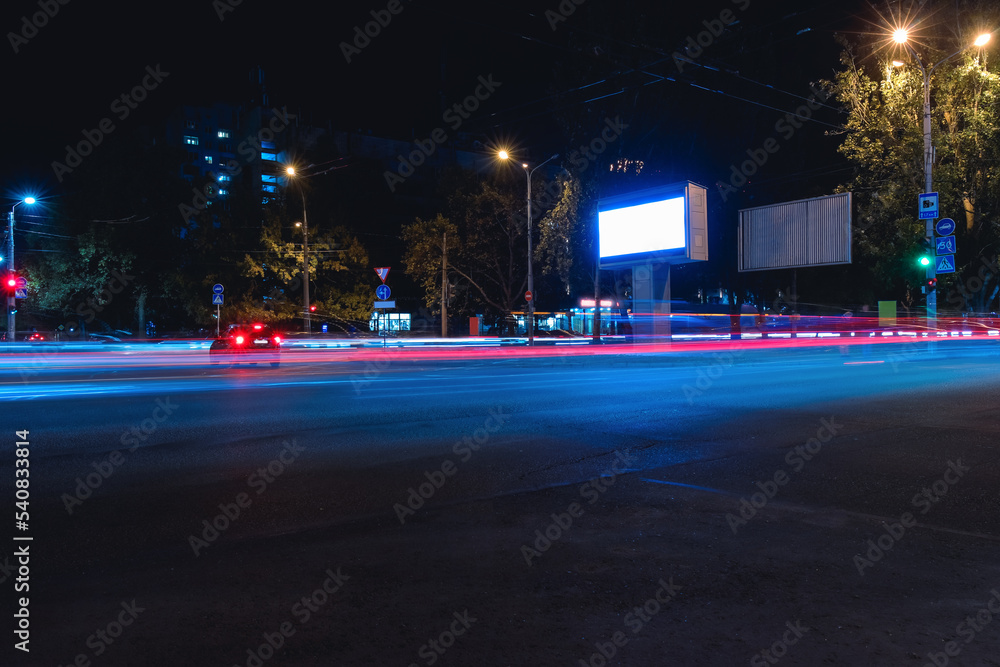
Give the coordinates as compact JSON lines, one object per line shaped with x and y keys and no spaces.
{"x":9,"y":284}
{"x":927,"y":253}
{"x":312,"y":309}
{"x":930,"y":285}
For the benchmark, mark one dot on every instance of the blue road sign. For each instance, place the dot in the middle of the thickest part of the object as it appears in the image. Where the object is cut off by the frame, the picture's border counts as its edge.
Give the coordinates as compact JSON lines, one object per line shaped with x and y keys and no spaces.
{"x":22,"y":282}
{"x":217,"y":299}
{"x":217,"y":288}
{"x":21,"y":293}
{"x":382,"y":292}
{"x":927,"y":205}
{"x":385,"y":304}
{"x":945,"y":227}
{"x":945,"y":264}
{"x":945,"y":245}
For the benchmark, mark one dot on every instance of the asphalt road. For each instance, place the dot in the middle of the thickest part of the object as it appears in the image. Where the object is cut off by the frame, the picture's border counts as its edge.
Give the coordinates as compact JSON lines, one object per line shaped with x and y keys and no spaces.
{"x":691,"y":508}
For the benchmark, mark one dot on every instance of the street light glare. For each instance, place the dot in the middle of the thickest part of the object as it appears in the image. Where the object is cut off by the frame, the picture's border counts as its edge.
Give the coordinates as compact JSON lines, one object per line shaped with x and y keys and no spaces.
{"x":983,"y":39}
{"x":503,"y":155}
{"x":290,"y":171}
{"x":29,"y":200}
{"x":900,"y":36}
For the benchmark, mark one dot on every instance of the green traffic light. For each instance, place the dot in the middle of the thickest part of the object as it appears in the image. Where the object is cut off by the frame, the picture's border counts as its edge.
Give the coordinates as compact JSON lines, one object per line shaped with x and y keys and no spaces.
{"x":925,"y":261}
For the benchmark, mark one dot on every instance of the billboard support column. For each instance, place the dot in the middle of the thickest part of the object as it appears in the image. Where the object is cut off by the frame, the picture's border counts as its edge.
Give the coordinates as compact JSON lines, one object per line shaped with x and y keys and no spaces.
{"x":651,"y":301}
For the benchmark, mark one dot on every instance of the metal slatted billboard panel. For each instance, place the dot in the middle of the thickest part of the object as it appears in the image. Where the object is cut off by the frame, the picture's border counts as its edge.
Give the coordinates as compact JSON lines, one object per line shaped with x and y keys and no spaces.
{"x":806,"y":232}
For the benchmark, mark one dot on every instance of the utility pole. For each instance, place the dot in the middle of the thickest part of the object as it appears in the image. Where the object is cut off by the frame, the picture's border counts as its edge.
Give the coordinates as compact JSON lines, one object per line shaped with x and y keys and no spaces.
{"x":305,"y":263}
{"x":444,"y":286}
{"x":11,"y":301}
{"x":597,"y":303}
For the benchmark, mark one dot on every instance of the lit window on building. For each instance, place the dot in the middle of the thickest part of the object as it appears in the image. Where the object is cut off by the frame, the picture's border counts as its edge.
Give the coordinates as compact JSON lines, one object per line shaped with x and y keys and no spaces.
{"x":190,"y":141}
{"x":224,"y":178}
{"x":267,"y":144}
{"x":223,"y":134}
{"x":267,"y":187}
{"x":268,"y":178}
{"x":208,"y":159}
{"x":223,"y":192}
{"x":273,"y":157}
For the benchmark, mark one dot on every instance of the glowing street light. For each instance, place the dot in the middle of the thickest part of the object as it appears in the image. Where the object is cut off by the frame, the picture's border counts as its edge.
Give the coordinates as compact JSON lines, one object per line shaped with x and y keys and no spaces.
{"x":305,"y":254}
{"x":503,"y":155}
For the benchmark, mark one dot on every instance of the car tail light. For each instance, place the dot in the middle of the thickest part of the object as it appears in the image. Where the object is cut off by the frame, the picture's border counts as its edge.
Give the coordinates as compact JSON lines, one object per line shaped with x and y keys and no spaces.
{"x":258,"y":327}
{"x":277,"y":340}
{"x":239,"y":340}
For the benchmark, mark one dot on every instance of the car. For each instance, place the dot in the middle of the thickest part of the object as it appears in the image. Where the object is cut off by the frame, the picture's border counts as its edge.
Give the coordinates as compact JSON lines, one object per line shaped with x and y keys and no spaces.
{"x":35,"y":337}
{"x":252,"y":343}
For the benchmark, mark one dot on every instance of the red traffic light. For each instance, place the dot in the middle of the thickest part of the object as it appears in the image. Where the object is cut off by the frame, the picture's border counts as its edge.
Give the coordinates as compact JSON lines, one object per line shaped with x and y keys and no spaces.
{"x":312,"y":309}
{"x":10,"y":283}
{"x":931,"y":283}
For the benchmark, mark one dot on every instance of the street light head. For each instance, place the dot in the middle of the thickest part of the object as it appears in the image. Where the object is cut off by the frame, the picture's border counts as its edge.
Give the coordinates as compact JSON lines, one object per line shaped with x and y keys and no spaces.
{"x":900,"y":36}
{"x":31,"y":200}
{"x":524,"y":164}
{"x":983,"y":39}
{"x":898,"y":63}
{"x":503,"y":155}
{"x":298,"y":224}
{"x":290,"y":171}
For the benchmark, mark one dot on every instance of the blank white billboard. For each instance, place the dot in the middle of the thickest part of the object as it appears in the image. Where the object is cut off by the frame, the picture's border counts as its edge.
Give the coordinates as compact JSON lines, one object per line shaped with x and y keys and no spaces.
{"x":664,"y":224}
{"x":644,"y":228}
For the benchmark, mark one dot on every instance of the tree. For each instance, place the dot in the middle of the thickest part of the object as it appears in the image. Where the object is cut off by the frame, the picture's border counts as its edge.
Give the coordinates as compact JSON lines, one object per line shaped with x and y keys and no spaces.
{"x":425,"y":248}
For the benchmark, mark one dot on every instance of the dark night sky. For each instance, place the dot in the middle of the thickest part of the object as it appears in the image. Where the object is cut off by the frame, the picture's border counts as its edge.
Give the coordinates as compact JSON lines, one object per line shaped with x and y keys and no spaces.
{"x":64,"y":79}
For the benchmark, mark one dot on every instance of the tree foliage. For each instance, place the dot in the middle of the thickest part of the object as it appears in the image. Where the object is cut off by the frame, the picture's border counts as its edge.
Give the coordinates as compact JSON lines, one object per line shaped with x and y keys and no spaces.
{"x":884,"y":142}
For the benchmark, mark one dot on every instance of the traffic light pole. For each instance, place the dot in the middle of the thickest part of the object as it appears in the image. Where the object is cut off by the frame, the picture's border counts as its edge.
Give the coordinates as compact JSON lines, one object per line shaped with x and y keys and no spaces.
{"x":11,"y":330}
{"x":928,"y":184}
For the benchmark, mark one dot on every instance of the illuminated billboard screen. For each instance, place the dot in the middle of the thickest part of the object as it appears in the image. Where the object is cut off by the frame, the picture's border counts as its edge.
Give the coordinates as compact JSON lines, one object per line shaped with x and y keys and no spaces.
{"x":651,"y":227}
{"x":666,"y":224}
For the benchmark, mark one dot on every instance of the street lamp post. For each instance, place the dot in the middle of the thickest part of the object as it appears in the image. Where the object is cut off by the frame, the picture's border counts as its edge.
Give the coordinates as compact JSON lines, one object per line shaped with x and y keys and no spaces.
{"x":531,"y":275}
{"x":11,"y":300}
{"x":305,"y":256}
{"x":902,"y":37}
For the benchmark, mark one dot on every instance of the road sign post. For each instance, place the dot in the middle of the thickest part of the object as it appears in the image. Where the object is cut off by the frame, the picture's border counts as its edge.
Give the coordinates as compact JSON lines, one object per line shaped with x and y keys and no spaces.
{"x":217,"y":299}
{"x":928,"y":210}
{"x":382,"y":293}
